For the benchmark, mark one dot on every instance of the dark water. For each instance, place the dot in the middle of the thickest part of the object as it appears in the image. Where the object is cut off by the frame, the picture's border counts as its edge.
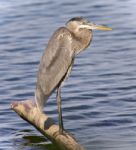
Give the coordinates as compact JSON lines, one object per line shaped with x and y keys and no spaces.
{"x":99,"y":98}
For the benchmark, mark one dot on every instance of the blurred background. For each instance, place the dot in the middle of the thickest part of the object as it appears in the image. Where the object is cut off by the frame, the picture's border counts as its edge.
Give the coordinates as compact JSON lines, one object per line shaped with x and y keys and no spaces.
{"x":99,"y":98}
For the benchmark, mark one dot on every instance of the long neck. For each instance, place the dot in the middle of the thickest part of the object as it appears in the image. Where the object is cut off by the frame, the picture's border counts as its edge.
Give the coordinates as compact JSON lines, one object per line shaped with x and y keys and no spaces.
{"x":82,"y":40}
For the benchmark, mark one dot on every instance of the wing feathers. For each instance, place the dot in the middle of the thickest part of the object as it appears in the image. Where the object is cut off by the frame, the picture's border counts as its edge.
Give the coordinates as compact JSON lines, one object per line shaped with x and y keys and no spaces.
{"x":56,"y":60}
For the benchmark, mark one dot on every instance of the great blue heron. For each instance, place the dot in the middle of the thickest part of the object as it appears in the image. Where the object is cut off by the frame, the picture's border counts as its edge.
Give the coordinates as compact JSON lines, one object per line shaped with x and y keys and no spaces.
{"x":58,"y":58}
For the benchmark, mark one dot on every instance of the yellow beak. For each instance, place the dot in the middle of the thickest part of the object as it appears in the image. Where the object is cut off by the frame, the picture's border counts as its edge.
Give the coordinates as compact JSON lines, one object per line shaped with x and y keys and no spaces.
{"x":100,"y":27}
{"x":92,"y":26}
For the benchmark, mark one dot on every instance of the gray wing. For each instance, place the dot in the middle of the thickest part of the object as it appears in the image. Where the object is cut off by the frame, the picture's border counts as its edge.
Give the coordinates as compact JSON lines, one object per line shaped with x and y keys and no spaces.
{"x":56,"y":60}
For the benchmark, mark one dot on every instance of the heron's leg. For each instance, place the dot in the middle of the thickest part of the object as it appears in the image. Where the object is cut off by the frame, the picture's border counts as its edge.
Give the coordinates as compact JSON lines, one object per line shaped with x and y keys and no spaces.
{"x":60,"y":110}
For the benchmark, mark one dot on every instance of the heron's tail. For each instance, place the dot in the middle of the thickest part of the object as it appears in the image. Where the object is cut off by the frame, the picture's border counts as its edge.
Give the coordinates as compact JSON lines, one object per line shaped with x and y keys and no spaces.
{"x":40,"y":98}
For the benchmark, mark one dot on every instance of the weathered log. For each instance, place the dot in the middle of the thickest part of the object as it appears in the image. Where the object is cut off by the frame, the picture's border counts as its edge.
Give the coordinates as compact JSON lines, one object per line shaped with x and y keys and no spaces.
{"x":29,"y":112}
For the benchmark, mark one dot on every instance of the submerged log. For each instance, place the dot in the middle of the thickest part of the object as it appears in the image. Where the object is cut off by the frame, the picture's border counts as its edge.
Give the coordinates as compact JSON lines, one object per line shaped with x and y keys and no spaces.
{"x":29,"y":112}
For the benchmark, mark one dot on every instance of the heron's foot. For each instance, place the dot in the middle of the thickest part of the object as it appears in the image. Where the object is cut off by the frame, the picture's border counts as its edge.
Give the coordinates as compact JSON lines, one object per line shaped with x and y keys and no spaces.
{"x":61,"y":130}
{"x":64,"y":133}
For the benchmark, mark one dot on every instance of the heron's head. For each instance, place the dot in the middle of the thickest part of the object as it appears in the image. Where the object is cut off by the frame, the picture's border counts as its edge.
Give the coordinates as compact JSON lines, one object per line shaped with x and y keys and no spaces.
{"x":78,"y":23}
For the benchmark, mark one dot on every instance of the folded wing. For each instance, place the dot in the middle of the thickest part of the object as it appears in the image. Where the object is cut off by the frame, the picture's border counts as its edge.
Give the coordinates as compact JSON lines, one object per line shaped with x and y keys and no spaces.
{"x":55,"y":61}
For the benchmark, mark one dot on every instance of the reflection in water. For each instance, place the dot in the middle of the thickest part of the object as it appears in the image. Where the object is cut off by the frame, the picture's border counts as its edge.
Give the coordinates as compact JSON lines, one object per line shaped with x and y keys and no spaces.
{"x":26,"y":139}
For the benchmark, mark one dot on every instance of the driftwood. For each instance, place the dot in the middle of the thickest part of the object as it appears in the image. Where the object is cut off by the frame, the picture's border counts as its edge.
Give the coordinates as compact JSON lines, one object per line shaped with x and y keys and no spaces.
{"x":29,"y":112}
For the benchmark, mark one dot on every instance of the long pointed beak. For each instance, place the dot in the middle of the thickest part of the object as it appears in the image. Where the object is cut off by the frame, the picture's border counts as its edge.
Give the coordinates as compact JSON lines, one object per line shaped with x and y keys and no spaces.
{"x":92,"y":26}
{"x":99,"y":27}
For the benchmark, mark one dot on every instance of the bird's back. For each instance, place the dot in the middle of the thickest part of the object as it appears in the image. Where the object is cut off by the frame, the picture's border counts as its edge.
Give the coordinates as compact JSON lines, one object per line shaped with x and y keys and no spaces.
{"x":55,"y":62}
